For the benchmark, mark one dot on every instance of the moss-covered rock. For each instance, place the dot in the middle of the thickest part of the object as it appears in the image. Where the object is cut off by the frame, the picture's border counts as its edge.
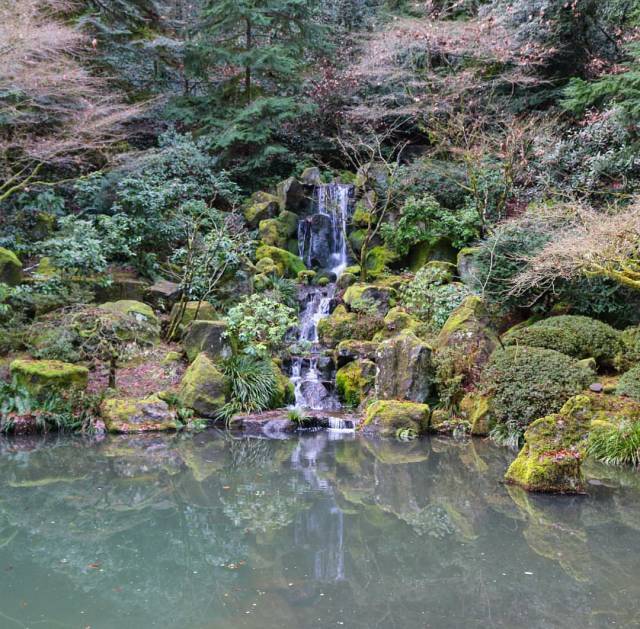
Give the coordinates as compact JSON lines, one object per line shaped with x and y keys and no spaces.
{"x":550,"y":460}
{"x":424,"y":252}
{"x":311,"y":176}
{"x":350,"y":349}
{"x":129,"y":415}
{"x":342,"y":325}
{"x":577,"y":336}
{"x":203,"y":387}
{"x":526,"y":383}
{"x":194,"y":311}
{"x":42,"y":377}
{"x":355,"y":381}
{"x":475,"y":408}
{"x":405,"y":369}
{"x":466,"y":341}
{"x":266,"y":266}
{"x":291,"y":195}
{"x":395,"y":321}
{"x":276,"y":232}
{"x":467,"y":265}
{"x":162,"y":295}
{"x":10,"y":267}
{"x":208,"y":337}
{"x":346,"y":280}
{"x":306,"y":277}
{"x":284,"y":393}
{"x":369,"y":298}
{"x":378,"y":259}
{"x":143,"y":313}
{"x":386,"y":417}
{"x":263,"y":206}
{"x":287,"y":264}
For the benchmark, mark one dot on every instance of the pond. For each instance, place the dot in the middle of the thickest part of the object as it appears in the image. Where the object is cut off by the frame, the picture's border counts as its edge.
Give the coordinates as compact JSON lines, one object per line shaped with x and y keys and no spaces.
{"x":328,"y":529}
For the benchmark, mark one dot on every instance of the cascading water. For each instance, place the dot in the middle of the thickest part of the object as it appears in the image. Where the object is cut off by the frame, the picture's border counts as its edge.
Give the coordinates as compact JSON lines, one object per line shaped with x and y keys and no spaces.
{"x":322,"y":244}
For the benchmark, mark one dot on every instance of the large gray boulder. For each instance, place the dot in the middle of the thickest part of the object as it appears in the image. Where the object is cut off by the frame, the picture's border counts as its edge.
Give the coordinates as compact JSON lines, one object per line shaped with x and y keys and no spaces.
{"x":208,"y":337}
{"x":405,"y":369}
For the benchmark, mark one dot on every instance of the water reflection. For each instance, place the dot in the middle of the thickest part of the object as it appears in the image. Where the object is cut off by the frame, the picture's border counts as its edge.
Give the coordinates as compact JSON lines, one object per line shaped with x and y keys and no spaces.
{"x":218,"y":531}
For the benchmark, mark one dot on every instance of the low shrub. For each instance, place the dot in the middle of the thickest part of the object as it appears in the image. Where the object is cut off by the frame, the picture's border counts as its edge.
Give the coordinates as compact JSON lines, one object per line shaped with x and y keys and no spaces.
{"x":573,"y":335}
{"x":526,"y":383}
{"x":629,"y":384}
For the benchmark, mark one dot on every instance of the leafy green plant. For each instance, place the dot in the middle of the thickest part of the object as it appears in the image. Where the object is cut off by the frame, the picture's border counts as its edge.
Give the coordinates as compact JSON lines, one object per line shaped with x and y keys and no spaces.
{"x":258,"y":324}
{"x":616,"y":445}
{"x":282,"y":290}
{"x":252,"y":385}
{"x":509,"y":434}
{"x":629,"y":384}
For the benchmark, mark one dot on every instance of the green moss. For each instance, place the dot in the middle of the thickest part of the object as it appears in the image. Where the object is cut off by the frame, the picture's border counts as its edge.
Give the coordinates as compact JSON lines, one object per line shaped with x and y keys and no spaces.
{"x":629,"y":384}
{"x":354,"y":381}
{"x":476,"y":409}
{"x":41,"y":377}
{"x":424,"y":252}
{"x":284,"y":393}
{"x":10,"y":267}
{"x":263,"y":206}
{"x":203,"y":387}
{"x":369,"y":298}
{"x":378,"y":258}
{"x":550,"y":460}
{"x":209,"y":337}
{"x":361,"y":215}
{"x":577,"y":336}
{"x":287,"y":264}
{"x":386,"y":417}
{"x":171,"y":357}
{"x":137,"y":309}
{"x":130,"y":415}
{"x":471,"y":308}
{"x":353,"y":270}
{"x":342,"y":325}
{"x":194,"y":310}
{"x":266,"y":266}
{"x":395,"y":321}
{"x":306,"y":277}
{"x":356,"y":238}
{"x":276,"y":232}
{"x":323,"y":281}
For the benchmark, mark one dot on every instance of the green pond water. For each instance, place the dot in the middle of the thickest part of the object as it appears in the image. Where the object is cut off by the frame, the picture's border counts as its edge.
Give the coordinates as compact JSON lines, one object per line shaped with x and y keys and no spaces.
{"x":326,"y":530}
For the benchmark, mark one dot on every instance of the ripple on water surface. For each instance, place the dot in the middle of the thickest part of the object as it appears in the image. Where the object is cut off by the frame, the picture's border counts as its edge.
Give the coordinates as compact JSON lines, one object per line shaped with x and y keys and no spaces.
{"x":218,"y":531}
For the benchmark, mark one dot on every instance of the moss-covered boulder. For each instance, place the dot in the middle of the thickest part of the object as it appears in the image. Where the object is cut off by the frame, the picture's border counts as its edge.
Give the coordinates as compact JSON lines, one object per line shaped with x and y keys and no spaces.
{"x":203,"y":388}
{"x":395,"y":321}
{"x":525,"y":383}
{"x":42,"y":377}
{"x":276,"y":232}
{"x":386,"y":417}
{"x":405,"y":369}
{"x":424,"y":252}
{"x":142,"y":313}
{"x":262,"y":206}
{"x":291,"y":195}
{"x":475,"y":408}
{"x":573,"y":335}
{"x":467,"y":266}
{"x":346,"y":280}
{"x":355,"y":381}
{"x":10,"y":267}
{"x":369,"y":298}
{"x":194,"y":311}
{"x":208,"y":337}
{"x":466,"y":341}
{"x":284,"y":393}
{"x":355,"y":350}
{"x":130,"y":415}
{"x":287,"y":264}
{"x":555,"y":445}
{"x":378,"y":260}
{"x":311,"y":176}
{"x":342,"y":325}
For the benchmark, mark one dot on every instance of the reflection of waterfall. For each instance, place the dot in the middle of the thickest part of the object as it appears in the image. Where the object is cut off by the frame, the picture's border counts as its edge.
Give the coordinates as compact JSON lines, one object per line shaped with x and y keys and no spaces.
{"x":322,"y":243}
{"x":321,"y":528}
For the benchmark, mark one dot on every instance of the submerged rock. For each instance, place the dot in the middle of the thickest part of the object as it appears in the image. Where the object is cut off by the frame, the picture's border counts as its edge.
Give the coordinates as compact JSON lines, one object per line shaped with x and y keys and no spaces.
{"x":203,"y":388}
{"x":405,"y":370}
{"x":386,"y":417}
{"x":137,"y":415}
{"x":208,"y":337}
{"x":42,"y":377}
{"x":550,"y":460}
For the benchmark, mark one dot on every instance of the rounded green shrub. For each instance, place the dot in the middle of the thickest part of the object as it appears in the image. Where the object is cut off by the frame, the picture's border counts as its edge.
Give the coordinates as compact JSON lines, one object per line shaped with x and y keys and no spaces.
{"x":573,"y":335}
{"x":526,"y":383}
{"x":629,"y":384}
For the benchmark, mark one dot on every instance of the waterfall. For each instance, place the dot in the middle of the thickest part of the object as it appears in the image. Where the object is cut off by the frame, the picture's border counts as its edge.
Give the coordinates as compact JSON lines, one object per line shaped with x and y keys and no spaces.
{"x":322,"y":243}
